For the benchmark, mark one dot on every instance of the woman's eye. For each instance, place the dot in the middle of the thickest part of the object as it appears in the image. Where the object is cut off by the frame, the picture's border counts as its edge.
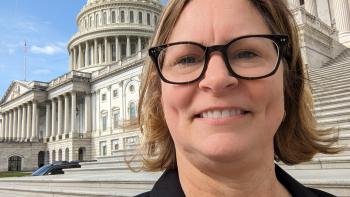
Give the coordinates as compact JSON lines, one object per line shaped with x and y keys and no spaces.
{"x":186,"y":60}
{"x":245,"y":54}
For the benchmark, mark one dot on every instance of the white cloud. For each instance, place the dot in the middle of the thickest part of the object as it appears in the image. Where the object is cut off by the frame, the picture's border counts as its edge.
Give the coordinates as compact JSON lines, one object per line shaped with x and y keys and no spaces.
{"x":50,"y":49}
{"x":41,"y":71}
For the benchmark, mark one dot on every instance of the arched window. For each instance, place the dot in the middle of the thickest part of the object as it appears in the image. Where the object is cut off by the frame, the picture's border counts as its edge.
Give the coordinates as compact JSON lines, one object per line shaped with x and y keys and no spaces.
{"x":140,"y":17}
{"x":116,"y":115}
{"x":97,"y":22}
{"x":155,"y":20}
{"x":113,"y":16}
{"x":90,"y":21}
{"x":59,"y":155}
{"x":302,"y":2}
{"x":104,"y":18}
{"x":66,"y":154}
{"x":148,"y":19}
{"x":131,"y":16}
{"x":132,"y":111}
{"x":122,"y":16}
{"x":53,"y":156}
{"x":14,"y":163}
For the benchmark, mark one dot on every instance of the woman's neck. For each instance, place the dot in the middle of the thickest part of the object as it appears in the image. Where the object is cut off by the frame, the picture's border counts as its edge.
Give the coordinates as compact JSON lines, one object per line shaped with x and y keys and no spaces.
{"x":230,"y":180}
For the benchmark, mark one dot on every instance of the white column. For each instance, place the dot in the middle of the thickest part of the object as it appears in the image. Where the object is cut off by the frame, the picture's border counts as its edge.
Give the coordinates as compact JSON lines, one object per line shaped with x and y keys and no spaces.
{"x":24,"y":123}
{"x":70,"y":60}
{"x":66,"y":114}
{"x":311,"y":7}
{"x":19,"y":123}
{"x":100,"y":53}
{"x":109,"y":52}
{"x":87,"y":114}
{"x":294,"y":3}
{"x":95,"y":52}
{"x":117,"y":50}
{"x":74,"y":58}
{"x":60,"y":116}
{"x":87,"y":54}
{"x":139,"y":47}
{"x":53,"y":118}
{"x":73,"y":116}
{"x":35,"y":118}
{"x":128,"y":48}
{"x":342,"y":20}
{"x":29,"y":121}
{"x":80,"y":52}
{"x":106,"y":51}
{"x":48,"y":121}
{"x":6,"y":135}
{"x":15,"y":124}
{"x":10,"y":136}
{"x":98,"y":114}
{"x":2,"y":127}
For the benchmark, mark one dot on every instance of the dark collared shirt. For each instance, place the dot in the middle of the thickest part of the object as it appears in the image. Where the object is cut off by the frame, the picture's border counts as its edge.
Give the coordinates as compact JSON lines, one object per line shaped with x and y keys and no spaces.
{"x":168,"y":185}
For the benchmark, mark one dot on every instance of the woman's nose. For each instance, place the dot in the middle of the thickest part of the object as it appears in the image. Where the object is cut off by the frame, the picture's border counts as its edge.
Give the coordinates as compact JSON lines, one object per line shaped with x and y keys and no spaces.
{"x":217,"y":78}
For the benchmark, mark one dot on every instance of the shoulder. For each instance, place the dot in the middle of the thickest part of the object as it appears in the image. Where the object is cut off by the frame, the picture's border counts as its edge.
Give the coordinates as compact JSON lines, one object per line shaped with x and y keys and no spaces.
{"x":296,"y":188}
{"x":167,"y":185}
{"x":320,"y":193}
{"x":146,"y":194}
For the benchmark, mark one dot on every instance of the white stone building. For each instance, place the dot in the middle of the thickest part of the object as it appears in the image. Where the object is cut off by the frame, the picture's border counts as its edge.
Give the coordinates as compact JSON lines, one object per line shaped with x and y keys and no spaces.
{"x":90,"y":111}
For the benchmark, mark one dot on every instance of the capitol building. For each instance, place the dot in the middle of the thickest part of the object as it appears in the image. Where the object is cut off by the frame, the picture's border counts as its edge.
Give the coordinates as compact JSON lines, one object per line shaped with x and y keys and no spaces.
{"x":90,"y":113}
{"x":91,"y":110}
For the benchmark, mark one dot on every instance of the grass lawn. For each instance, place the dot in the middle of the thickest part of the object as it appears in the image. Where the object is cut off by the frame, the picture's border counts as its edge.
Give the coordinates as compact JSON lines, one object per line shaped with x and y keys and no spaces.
{"x":14,"y":174}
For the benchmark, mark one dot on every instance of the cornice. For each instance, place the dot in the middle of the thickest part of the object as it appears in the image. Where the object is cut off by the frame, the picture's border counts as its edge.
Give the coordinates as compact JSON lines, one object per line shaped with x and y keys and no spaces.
{"x":107,"y":5}
{"x":123,"y":31}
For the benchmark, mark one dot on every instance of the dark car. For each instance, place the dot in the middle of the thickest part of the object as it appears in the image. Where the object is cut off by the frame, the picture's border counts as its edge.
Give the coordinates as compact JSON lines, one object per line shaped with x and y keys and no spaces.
{"x":55,"y":168}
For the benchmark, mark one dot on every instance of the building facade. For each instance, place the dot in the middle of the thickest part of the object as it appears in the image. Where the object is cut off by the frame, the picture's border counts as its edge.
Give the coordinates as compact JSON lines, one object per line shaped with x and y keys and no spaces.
{"x":90,"y":111}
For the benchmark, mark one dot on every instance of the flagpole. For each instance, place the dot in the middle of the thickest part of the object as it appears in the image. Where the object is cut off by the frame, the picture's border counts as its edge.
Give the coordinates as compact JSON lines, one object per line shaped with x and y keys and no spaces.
{"x":25,"y":60}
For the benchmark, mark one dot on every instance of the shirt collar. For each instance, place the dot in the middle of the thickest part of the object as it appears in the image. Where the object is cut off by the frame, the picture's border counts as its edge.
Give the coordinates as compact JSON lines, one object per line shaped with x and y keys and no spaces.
{"x":169,"y":185}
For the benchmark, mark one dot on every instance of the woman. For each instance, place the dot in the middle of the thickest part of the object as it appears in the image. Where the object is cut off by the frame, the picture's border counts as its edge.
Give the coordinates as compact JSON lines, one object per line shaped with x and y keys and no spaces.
{"x":225,"y":96}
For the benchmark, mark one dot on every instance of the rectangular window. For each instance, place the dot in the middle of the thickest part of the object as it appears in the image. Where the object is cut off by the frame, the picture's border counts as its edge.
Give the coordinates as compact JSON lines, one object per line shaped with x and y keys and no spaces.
{"x":131,"y":17}
{"x":103,"y":148}
{"x":122,"y":16}
{"x":113,"y":16}
{"x":115,"y":93}
{"x":148,"y":19}
{"x":104,"y":97}
{"x":140,"y":17}
{"x":116,"y":119}
{"x":104,"y":122}
{"x":115,"y":144}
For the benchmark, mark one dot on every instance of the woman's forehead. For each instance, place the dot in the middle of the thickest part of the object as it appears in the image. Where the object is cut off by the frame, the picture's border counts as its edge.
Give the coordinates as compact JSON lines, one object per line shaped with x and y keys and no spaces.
{"x":216,"y":22}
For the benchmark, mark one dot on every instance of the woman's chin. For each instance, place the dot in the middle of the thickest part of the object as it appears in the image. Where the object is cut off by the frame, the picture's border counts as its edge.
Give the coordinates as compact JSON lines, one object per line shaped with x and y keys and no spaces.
{"x":224,"y":150}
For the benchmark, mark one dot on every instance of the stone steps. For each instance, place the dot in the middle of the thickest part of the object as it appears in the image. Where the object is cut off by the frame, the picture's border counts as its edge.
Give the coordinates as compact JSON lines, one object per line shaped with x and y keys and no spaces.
{"x":336,"y":67}
{"x":331,"y":86}
{"x":339,"y":113}
{"x":330,"y":89}
{"x":332,"y":102}
{"x":101,"y":184}
{"x":331,"y":107}
{"x":329,"y":92}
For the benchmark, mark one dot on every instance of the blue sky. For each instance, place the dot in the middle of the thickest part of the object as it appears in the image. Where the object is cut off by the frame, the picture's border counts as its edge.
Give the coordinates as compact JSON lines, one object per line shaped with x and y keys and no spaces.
{"x":46,"y":26}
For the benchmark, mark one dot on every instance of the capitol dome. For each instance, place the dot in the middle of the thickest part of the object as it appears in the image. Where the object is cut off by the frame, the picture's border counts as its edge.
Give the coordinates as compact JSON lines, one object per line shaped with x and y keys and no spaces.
{"x":110,"y":31}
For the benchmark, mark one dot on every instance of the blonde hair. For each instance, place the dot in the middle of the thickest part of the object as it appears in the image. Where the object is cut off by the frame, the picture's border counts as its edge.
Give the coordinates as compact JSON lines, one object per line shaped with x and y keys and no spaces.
{"x":297,"y":139}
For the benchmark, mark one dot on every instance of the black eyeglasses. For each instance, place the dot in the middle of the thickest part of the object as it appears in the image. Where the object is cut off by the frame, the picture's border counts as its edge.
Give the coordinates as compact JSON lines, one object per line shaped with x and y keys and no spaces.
{"x":247,"y":57}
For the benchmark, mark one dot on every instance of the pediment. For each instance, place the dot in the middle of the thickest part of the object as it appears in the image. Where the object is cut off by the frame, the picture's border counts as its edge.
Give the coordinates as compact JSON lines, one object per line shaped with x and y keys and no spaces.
{"x":16,"y":89}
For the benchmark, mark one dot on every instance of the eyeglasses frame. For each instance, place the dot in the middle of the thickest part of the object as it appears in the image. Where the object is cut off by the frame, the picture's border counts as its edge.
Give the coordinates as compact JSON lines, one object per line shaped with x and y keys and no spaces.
{"x":280,"y":40}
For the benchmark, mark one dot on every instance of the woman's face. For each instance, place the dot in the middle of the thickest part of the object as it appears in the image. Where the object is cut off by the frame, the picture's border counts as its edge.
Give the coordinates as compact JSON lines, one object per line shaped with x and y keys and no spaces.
{"x":217,"y":137}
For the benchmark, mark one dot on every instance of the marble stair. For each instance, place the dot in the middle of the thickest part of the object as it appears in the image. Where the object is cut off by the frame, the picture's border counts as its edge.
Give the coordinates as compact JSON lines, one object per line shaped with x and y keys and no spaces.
{"x":331,"y":91}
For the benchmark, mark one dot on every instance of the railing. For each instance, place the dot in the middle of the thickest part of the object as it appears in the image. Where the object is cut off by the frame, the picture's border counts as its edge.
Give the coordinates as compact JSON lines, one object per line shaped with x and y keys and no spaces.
{"x":68,"y":76}
{"x":34,"y":84}
{"x":120,"y":64}
{"x":315,"y":22}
